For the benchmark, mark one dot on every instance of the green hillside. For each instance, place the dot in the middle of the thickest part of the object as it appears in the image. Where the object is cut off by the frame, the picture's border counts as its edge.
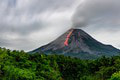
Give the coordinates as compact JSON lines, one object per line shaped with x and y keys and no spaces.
{"x":18,"y":65}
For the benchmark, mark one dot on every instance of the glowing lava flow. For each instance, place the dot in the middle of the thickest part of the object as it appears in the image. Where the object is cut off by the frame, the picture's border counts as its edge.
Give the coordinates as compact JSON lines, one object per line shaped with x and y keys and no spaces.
{"x":67,"y":39}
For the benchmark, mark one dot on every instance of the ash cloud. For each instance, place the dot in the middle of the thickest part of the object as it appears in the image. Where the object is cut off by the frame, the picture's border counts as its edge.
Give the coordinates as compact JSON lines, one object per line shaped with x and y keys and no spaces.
{"x":92,"y":12}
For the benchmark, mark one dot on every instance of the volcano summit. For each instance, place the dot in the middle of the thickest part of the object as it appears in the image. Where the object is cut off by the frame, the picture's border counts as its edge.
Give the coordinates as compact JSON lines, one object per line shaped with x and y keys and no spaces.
{"x":77,"y":43}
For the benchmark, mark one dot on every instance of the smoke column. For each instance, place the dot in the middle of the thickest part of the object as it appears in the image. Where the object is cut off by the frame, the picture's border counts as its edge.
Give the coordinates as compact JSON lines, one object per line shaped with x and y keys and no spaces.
{"x":91,"y":12}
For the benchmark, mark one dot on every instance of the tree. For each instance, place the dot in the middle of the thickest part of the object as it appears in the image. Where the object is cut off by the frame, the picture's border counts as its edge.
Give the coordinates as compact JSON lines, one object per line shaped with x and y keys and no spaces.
{"x":115,"y":76}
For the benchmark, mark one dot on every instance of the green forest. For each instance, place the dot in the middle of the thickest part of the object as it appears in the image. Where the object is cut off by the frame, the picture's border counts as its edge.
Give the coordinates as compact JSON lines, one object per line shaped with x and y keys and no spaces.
{"x":19,"y":65}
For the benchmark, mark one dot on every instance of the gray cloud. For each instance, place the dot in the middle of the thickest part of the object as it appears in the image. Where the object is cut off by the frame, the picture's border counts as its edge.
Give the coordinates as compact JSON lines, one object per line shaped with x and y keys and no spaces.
{"x":92,"y":12}
{"x":29,"y":24}
{"x":24,"y":16}
{"x":22,"y":20}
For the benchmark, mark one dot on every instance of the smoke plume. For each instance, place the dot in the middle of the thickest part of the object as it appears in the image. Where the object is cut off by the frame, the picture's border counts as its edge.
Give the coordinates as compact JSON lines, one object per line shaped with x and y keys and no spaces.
{"x":91,"y":12}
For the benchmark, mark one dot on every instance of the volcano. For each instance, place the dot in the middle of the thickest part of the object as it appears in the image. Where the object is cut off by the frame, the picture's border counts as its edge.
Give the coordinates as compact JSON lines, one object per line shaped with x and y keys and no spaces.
{"x":77,"y":43}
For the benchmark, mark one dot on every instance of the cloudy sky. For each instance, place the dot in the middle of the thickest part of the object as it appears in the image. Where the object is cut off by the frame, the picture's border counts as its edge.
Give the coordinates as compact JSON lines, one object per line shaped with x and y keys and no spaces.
{"x":29,"y":24}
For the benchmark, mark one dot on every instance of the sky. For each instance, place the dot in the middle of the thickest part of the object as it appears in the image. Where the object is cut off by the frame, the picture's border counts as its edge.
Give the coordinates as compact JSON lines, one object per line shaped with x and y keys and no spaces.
{"x":29,"y":24}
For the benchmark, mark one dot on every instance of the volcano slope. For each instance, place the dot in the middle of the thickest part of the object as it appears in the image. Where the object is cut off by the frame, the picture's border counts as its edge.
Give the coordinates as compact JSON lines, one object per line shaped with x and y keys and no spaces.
{"x":77,"y":43}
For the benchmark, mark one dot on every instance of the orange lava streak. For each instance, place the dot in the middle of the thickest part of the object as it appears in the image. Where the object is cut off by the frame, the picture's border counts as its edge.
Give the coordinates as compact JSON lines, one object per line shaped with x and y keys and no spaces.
{"x":67,"y":39}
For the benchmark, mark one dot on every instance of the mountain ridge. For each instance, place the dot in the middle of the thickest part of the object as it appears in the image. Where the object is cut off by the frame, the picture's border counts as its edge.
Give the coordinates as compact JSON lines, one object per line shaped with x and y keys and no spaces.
{"x":77,"y":43}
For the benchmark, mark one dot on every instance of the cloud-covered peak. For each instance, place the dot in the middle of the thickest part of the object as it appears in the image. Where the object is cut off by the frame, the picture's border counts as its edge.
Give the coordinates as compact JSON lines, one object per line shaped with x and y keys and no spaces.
{"x":28,"y":24}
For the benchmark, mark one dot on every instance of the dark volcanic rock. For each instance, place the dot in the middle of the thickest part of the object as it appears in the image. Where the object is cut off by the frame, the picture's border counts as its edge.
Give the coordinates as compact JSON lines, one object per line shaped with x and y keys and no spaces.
{"x":77,"y":43}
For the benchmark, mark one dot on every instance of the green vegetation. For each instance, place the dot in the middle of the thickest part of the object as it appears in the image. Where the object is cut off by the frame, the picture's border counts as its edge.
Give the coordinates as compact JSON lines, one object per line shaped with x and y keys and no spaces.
{"x":116,"y":76}
{"x":18,"y":65}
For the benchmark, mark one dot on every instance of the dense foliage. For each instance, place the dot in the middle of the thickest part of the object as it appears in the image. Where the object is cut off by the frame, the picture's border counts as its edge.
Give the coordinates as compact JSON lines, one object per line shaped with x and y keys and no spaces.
{"x":18,"y":65}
